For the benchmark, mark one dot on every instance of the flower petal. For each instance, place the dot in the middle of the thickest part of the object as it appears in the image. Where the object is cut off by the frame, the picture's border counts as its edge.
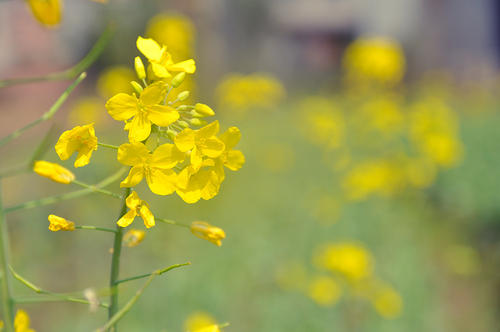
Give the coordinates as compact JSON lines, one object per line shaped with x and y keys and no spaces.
{"x":140,"y":128}
{"x":159,"y":70}
{"x":150,"y":48}
{"x":132,"y":154}
{"x":153,"y":94}
{"x":133,"y":201}
{"x":211,"y":147}
{"x":83,"y":157}
{"x":133,"y":178}
{"x":231,"y":137}
{"x":122,"y":106}
{"x":161,"y":181}
{"x":184,"y":140}
{"x":208,"y":131}
{"x":166,"y":156}
{"x":127,"y":218}
{"x":147,"y":216}
{"x":162,"y":115}
{"x":187,"y":66}
{"x":234,"y":160}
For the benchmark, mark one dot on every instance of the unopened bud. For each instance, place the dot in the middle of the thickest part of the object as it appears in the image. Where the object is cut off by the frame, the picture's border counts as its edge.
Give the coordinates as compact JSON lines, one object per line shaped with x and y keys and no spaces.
{"x":171,"y":134}
{"x":184,"y":108}
{"x":197,"y":122}
{"x":183,"y":124}
{"x":204,"y":109}
{"x":178,"y":79}
{"x":183,"y":95}
{"x":137,"y":87}
{"x":139,"y":68}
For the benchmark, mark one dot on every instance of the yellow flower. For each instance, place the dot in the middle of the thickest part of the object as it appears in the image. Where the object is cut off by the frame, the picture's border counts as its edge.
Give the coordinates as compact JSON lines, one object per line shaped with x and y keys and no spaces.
{"x":325,"y":291}
{"x":161,"y":61}
{"x":137,"y":207}
{"x":198,"y":320}
{"x":80,"y":139}
{"x":387,"y":302}
{"x":201,"y":142}
{"x":232,"y":159}
{"x":114,"y":80}
{"x":156,"y":166}
{"x":60,"y":224}
{"x":53,"y":171}
{"x":193,"y":184}
{"x":22,"y":322}
{"x":349,"y":259}
{"x":47,"y":12}
{"x":205,"y":231}
{"x":133,"y":237}
{"x":143,"y":110}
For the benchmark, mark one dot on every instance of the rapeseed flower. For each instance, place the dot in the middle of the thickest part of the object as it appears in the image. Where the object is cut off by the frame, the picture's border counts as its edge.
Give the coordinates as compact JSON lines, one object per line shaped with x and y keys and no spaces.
{"x":137,"y":207}
{"x":60,"y":224}
{"x":22,"y":322}
{"x":144,"y":110}
{"x":47,"y":12}
{"x":161,"y":62}
{"x":133,"y":237}
{"x":198,"y":320}
{"x":156,"y":167}
{"x":205,"y":231}
{"x":53,"y":171}
{"x":80,"y":139}
{"x":324,"y":290}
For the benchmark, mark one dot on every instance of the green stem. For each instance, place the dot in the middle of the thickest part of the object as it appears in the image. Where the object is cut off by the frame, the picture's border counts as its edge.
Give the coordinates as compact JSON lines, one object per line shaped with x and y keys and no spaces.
{"x":172,"y":222}
{"x":97,"y":190}
{"x":115,"y":261}
{"x":6,"y":289}
{"x":73,"y":71}
{"x":160,"y":272}
{"x":55,"y":299}
{"x":58,"y":198}
{"x":95,"y":228}
{"x":47,"y":115}
{"x":108,"y":145}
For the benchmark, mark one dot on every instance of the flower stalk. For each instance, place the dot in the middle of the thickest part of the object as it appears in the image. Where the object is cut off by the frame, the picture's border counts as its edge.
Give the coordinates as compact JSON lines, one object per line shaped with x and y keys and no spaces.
{"x":6,"y":289}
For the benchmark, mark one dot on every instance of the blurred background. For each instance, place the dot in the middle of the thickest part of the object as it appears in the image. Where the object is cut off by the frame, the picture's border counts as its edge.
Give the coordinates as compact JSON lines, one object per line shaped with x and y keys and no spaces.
{"x":369,"y":200}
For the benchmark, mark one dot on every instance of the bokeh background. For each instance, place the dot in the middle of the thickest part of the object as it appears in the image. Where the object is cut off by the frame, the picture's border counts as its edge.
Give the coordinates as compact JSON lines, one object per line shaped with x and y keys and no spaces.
{"x":370,"y":197}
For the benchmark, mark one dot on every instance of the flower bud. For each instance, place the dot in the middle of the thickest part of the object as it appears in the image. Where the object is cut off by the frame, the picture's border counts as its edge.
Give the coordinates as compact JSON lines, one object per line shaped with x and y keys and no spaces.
{"x":60,"y":224}
{"x":137,"y":87}
{"x":139,"y":68}
{"x":178,"y":79}
{"x":183,"y":124}
{"x":197,"y":122}
{"x":205,"y":231}
{"x":183,"y":95}
{"x":184,"y":108}
{"x":204,"y":109}
{"x":171,"y":134}
{"x":53,"y":171}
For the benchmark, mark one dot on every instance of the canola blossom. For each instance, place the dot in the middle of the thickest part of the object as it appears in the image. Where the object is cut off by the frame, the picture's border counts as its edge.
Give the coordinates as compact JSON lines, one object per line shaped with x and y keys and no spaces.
{"x":208,"y":232}
{"x":53,"y":171}
{"x":137,"y":207}
{"x":80,"y":139}
{"x":60,"y":224}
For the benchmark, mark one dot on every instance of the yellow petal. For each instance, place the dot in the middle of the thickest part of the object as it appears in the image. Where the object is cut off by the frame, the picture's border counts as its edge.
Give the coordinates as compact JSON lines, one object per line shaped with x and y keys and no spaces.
{"x":162,"y":115}
{"x":184,"y":141}
{"x":189,"y":195}
{"x":133,"y":201}
{"x":60,"y":224}
{"x":53,"y":171}
{"x":211,"y":147}
{"x":147,"y":216}
{"x":122,"y":106}
{"x":166,"y":156}
{"x":159,"y":71}
{"x":83,"y":157}
{"x":211,"y":185}
{"x":140,"y":128}
{"x":234,"y":160}
{"x":150,"y":48}
{"x":196,"y":159}
{"x":66,"y":145}
{"x":153,"y":94}
{"x":231,"y":137}
{"x":47,"y":12}
{"x":134,"y":177}
{"x":131,"y":154}
{"x":161,"y":181}
{"x":127,"y":218}
{"x":187,"y":66}
{"x":208,"y":131}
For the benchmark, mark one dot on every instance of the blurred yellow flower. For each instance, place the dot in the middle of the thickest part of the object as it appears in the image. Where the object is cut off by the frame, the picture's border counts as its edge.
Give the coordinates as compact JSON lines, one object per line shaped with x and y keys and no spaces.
{"x":175,"y":30}
{"x":133,"y":237}
{"x":198,"y":320}
{"x":377,"y":60}
{"x":115,"y":80}
{"x":60,"y":224}
{"x":137,"y":207}
{"x":80,"y":139}
{"x":143,"y":110}
{"x":462,"y":260}
{"x":205,"y":231}
{"x":47,"y":12}
{"x":22,"y":322}
{"x":160,"y":60}
{"x":53,"y":171}
{"x":238,"y":92}
{"x":86,"y":110}
{"x":156,"y":166}
{"x":277,"y":157}
{"x":387,"y":302}
{"x":324,"y":290}
{"x":350,"y":259}
{"x":211,"y":328}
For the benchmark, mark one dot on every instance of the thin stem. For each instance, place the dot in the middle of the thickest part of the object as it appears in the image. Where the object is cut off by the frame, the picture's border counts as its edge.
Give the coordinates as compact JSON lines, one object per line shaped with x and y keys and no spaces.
{"x":160,"y":272}
{"x":115,"y":262}
{"x":14,"y":170}
{"x":47,"y":115}
{"x":6,"y":289}
{"x":38,"y":290}
{"x":95,"y":228}
{"x":72,"y":72}
{"x":97,"y":190}
{"x":56,"y":299}
{"x":59,"y":198}
{"x":108,"y":145}
{"x":172,"y":222}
